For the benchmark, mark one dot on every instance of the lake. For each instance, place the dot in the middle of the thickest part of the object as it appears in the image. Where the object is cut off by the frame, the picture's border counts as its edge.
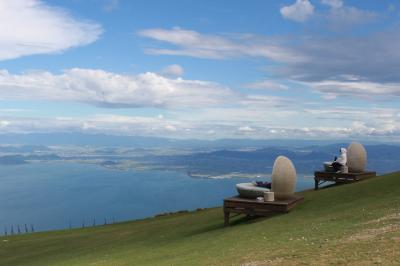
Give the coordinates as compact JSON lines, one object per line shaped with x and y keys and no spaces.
{"x":57,"y":195}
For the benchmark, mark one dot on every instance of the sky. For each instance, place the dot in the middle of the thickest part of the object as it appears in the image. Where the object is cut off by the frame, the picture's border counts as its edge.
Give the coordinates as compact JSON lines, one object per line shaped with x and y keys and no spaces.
{"x":210,"y":69}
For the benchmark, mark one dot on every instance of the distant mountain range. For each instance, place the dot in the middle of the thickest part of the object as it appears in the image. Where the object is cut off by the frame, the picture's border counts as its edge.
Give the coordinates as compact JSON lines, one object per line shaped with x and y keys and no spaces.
{"x":12,"y":159}
{"x":381,"y":158}
{"x":201,"y":157}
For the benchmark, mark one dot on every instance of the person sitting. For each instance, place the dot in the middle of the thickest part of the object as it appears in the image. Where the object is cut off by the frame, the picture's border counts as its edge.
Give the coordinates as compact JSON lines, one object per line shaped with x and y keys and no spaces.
{"x":339,"y":164}
{"x":262,"y":184}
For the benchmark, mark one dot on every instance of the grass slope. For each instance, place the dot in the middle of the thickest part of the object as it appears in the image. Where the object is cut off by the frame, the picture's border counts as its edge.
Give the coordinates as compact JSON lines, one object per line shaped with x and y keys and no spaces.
{"x":351,"y":224}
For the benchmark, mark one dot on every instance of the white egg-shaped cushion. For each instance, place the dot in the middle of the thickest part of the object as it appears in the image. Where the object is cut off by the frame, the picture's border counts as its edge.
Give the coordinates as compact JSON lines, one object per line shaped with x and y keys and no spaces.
{"x":283,"y":178}
{"x":356,"y":157}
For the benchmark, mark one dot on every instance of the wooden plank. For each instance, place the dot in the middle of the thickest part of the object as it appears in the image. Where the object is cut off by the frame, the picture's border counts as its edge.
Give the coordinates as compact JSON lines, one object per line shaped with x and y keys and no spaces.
{"x":238,"y":204}
{"x":254,"y":207}
{"x":254,"y":201}
{"x":253,"y":212}
{"x":343,"y":175}
{"x":340,"y":177}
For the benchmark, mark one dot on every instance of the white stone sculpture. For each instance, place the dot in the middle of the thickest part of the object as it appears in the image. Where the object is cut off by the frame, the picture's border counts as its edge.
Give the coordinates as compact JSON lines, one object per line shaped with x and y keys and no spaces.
{"x":283,"y":178}
{"x":356,"y":158}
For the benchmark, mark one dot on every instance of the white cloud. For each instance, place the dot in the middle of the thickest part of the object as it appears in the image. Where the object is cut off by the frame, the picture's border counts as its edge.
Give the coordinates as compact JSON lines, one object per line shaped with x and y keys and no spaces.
{"x":322,"y":62}
{"x":33,"y":27}
{"x":246,"y":129}
{"x":383,"y":124}
{"x":300,"y":11}
{"x":345,"y":17}
{"x":173,"y":71}
{"x":267,"y":85}
{"x":254,"y":117}
{"x":364,"y":122}
{"x":170,"y":127}
{"x":333,"y":3}
{"x":217,"y":46}
{"x":4,"y":123}
{"x":363,"y":89}
{"x":365,"y":66}
{"x":260,"y":114}
{"x":106,"y":89}
{"x":107,"y":124}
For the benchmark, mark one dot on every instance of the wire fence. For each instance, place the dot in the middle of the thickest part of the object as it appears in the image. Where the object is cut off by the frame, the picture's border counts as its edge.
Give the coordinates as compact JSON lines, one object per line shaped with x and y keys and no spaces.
{"x":18,"y":229}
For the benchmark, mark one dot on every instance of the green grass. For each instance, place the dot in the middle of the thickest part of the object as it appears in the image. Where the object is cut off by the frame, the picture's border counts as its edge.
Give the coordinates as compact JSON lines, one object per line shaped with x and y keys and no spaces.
{"x":350,"y":224}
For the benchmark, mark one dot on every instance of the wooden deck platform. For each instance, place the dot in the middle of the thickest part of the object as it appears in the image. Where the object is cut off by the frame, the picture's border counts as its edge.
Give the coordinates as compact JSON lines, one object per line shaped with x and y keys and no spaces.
{"x":322,"y":177}
{"x":252,"y":207}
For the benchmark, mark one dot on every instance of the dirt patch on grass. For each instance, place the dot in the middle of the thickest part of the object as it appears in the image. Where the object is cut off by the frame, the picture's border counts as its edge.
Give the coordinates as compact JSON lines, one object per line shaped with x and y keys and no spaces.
{"x":395,"y":217}
{"x":275,"y":261}
{"x":387,"y":224}
{"x":396,"y":239}
{"x":372,"y":233}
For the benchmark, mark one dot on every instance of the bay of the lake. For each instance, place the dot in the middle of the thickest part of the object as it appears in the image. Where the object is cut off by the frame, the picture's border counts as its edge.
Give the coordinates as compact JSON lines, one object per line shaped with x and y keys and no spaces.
{"x":59,"y":195}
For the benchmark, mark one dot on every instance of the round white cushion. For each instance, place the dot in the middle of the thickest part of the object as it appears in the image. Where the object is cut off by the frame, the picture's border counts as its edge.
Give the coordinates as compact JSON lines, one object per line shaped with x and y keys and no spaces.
{"x":251,"y":191}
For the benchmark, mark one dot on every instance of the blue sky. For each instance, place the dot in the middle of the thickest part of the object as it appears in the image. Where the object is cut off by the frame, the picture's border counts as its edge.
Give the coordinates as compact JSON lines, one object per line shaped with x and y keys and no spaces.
{"x":310,"y":69}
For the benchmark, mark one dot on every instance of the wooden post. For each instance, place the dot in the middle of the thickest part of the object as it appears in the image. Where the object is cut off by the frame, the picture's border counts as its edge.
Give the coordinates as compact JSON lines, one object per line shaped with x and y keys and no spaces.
{"x":316,"y":183}
{"x":226,"y":218}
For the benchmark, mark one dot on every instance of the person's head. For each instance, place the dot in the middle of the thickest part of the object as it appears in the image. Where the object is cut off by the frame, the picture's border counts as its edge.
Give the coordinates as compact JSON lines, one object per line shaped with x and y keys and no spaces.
{"x":343,"y":150}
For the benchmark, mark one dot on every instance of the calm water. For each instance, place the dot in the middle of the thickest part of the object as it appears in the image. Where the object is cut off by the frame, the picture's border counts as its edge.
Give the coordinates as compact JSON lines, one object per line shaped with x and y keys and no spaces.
{"x":54,"y":195}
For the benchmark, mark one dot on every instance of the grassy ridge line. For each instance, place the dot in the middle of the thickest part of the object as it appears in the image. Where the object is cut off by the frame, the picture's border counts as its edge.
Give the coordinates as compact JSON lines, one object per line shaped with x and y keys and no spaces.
{"x":355,"y":224}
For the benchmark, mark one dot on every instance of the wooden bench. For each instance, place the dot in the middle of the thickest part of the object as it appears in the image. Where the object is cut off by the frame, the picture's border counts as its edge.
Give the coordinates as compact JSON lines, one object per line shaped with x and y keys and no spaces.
{"x":253,"y":207}
{"x":322,"y":177}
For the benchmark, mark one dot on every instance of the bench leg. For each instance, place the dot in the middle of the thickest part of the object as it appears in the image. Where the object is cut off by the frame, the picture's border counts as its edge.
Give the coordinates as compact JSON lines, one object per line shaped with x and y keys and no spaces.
{"x":316,"y":183}
{"x":226,"y":218}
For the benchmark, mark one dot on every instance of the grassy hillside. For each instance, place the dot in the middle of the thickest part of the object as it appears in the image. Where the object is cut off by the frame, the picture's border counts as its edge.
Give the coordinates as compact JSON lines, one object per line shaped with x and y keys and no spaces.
{"x":354,"y":224}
